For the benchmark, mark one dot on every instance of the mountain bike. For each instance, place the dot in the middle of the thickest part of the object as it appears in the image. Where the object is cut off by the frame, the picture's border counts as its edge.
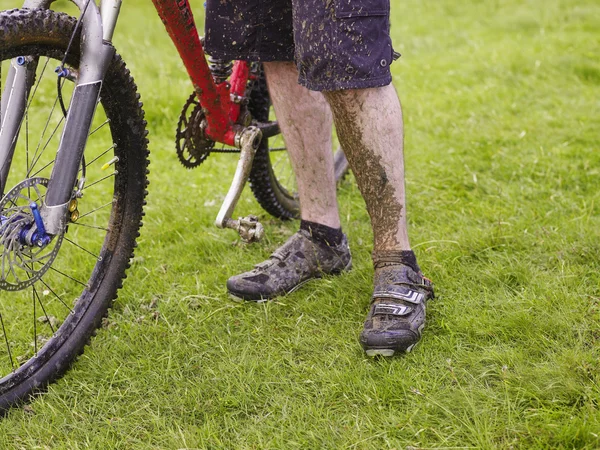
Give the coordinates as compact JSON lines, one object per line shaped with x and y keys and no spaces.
{"x":74,"y":165}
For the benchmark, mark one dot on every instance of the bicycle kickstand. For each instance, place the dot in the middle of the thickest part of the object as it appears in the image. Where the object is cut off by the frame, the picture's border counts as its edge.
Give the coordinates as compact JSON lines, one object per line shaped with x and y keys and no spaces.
{"x":249,"y":228}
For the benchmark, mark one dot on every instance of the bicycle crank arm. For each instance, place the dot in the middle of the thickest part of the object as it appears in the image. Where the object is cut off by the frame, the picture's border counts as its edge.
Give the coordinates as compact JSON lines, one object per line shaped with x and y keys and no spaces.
{"x":249,"y":229}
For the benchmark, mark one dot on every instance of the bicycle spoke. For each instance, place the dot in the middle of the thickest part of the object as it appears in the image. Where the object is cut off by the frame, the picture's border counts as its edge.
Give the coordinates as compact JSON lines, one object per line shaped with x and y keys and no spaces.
{"x":94,"y":210}
{"x":36,"y":156}
{"x":48,"y":321}
{"x":40,"y":170}
{"x":82,"y":248}
{"x":67,"y":276}
{"x":12,"y":363}
{"x":41,"y":75}
{"x":33,"y":293}
{"x":99,"y":181}
{"x":101,"y":155}
{"x":79,"y":224}
{"x":56,"y":295}
{"x":49,"y":115}
{"x":99,"y":127}
{"x":285,"y":176}
{"x":40,"y":196}
{"x":278,"y":163}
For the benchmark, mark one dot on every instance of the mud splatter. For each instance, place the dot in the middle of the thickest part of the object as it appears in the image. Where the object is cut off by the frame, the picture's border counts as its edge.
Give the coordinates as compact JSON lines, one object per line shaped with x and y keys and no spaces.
{"x":384,"y":198}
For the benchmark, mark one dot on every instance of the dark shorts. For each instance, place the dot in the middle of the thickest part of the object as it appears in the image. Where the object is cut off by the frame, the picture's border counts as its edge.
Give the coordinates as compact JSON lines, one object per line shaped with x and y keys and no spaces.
{"x":337,"y":44}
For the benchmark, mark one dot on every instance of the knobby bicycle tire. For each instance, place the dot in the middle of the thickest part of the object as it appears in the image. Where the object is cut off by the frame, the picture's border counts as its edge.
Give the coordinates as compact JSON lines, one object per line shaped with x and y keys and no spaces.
{"x":47,"y":33}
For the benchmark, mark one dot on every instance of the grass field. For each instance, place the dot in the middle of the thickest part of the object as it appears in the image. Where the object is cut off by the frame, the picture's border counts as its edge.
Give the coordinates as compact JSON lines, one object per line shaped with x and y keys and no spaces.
{"x":502,"y":112}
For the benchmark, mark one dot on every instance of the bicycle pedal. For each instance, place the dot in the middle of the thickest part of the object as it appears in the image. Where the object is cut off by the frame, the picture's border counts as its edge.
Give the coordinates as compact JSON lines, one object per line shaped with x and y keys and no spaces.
{"x":249,"y":228}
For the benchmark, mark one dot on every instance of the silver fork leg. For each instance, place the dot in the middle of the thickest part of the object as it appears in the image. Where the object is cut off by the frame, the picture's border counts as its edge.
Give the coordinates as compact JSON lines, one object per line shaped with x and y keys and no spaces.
{"x":14,"y":101}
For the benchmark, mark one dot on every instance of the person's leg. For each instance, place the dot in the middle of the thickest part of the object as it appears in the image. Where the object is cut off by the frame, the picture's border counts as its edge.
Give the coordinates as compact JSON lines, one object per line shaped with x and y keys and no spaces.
{"x":349,"y":60}
{"x":262,"y":30}
{"x":305,"y":121}
{"x":370,"y":128}
{"x":319,"y":247}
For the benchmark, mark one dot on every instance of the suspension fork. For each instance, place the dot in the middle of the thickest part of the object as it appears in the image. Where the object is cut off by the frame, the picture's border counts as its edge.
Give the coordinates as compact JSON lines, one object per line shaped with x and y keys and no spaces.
{"x":19,"y":80}
{"x":96,"y":54}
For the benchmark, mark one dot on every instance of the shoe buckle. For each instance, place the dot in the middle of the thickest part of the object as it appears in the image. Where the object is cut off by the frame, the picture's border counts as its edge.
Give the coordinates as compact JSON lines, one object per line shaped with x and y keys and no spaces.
{"x":391,"y":309}
{"x":411,"y":296}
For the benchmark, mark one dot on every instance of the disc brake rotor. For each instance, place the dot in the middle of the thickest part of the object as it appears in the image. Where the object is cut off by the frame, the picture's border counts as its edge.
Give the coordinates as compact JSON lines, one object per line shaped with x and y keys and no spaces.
{"x":192,"y":146}
{"x":22,"y":265}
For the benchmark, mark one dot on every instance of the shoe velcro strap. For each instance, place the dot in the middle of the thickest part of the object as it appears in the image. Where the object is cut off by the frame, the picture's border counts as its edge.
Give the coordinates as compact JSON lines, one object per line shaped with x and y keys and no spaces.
{"x":290,"y":247}
{"x":392,"y":309}
{"x":410,"y":296}
{"x":281,"y":254}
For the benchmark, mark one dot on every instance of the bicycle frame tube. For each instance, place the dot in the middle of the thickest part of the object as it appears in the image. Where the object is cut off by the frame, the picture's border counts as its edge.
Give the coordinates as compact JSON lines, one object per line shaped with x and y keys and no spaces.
{"x":109,"y":11}
{"x":222,"y":105}
{"x":239,"y":81}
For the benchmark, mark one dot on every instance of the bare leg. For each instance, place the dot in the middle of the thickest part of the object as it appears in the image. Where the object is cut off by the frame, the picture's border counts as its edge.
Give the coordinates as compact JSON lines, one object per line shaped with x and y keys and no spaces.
{"x":319,"y":247}
{"x":305,"y":121}
{"x":369,"y":125}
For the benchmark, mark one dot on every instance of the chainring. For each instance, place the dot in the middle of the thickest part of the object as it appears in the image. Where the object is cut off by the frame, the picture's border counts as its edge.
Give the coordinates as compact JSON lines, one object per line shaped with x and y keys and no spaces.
{"x":22,"y":265}
{"x":191,"y":144}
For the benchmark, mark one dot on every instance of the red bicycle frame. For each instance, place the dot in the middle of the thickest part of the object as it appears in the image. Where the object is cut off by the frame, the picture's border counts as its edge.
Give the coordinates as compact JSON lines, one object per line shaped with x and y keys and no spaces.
{"x":221,"y":101}
{"x":221,"y":104}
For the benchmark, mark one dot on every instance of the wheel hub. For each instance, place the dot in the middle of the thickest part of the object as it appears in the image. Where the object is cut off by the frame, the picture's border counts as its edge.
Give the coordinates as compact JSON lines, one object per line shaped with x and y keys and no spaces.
{"x":25,"y":253}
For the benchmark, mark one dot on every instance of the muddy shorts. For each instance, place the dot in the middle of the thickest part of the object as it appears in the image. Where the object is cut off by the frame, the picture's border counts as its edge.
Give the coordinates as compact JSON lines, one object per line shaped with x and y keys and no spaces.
{"x":337,"y":44}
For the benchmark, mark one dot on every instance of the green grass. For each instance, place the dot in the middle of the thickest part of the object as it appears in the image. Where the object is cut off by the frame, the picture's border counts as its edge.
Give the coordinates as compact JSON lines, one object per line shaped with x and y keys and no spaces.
{"x":503,"y":171}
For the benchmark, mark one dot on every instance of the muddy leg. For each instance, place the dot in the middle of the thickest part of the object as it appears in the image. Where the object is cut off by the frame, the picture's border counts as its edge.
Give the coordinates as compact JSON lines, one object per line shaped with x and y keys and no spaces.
{"x":370,"y":128}
{"x":305,"y":121}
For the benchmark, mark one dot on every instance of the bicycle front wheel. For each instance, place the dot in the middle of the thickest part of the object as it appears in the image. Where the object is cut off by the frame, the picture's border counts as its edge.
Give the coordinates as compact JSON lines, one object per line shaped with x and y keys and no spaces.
{"x":53,"y":299}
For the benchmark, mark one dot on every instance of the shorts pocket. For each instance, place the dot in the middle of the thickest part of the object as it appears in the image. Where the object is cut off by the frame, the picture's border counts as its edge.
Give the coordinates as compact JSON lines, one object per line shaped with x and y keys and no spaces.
{"x":361,"y":8}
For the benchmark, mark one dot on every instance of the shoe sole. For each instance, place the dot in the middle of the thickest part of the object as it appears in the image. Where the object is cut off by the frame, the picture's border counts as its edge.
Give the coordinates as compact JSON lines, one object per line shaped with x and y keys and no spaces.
{"x":386,"y":352}
{"x":241,"y":298}
{"x":380,"y":352}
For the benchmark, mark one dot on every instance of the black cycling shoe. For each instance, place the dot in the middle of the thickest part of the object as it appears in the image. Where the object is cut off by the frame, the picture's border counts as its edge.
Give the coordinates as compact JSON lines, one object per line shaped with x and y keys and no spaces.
{"x":397,"y":314}
{"x":297,"y":261}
